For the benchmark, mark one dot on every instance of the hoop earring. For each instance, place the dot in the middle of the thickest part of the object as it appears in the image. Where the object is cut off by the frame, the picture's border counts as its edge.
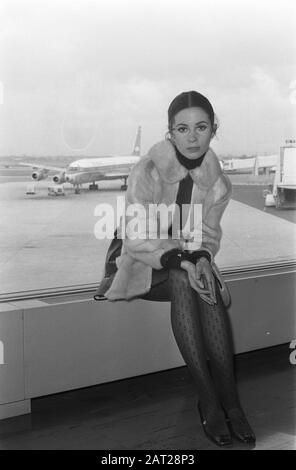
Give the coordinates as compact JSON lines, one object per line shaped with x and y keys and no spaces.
{"x":168,"y":135}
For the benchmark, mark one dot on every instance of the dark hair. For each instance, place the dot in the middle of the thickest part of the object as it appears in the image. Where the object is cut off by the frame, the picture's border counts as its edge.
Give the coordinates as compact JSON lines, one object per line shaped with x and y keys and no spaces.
{"x":190,"y":99}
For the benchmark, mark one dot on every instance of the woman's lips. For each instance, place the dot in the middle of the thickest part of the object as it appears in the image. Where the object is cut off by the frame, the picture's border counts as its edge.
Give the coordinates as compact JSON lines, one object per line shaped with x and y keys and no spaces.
{"x":193,"y":149}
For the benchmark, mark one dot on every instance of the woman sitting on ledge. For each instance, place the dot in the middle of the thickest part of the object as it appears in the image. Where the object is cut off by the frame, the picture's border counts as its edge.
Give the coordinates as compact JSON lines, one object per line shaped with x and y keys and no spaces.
{"x":184,"y":170}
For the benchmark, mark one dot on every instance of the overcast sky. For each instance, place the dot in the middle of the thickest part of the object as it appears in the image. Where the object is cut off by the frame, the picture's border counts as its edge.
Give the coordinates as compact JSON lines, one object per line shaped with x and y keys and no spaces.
{"x":78,"y":77}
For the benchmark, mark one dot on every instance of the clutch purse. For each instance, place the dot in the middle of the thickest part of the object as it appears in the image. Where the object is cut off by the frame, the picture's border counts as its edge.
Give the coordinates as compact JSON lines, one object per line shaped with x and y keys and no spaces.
{"x":224,"y":291}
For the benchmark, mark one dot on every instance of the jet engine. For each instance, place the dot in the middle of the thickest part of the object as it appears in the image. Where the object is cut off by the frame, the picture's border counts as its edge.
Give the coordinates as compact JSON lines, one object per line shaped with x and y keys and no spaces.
{"x":40,"y":175}
{"x":59,"y":178}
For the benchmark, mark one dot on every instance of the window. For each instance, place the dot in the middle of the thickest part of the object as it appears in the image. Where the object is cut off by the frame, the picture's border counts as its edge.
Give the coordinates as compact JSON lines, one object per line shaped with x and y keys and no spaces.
{"x":79,"y":88}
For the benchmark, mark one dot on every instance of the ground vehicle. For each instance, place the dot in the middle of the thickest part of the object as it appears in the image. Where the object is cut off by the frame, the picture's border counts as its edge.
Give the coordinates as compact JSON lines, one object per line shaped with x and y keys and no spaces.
{"x":30,"y":189}
{"x":283,"y":192}
{"x":56,"y":191}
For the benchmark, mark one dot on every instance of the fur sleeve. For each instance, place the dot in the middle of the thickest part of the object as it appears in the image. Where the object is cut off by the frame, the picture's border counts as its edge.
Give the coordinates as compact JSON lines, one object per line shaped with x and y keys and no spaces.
{"x":211,"y":227}
{"x":141,"y":240}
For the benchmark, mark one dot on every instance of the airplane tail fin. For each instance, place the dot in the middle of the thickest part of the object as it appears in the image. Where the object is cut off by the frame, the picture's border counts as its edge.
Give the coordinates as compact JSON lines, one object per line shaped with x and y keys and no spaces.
{"x":137,"y":147}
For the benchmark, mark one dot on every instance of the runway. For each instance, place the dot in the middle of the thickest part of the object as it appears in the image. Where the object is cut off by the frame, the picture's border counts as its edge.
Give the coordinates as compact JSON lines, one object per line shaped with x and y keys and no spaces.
{"x":48,"y":242}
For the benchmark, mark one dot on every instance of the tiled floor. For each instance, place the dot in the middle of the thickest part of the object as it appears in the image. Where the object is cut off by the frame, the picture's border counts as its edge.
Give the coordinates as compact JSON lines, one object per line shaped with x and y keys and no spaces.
{"x":158,"y":411}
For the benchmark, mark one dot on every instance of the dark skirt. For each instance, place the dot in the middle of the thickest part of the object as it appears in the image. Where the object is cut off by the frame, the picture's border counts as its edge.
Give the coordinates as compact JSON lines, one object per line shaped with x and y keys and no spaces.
{"x":159,"y":278}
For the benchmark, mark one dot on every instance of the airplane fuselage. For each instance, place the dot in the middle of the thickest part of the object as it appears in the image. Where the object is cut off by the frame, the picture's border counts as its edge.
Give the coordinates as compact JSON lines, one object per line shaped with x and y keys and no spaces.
{"x":89,"y":170}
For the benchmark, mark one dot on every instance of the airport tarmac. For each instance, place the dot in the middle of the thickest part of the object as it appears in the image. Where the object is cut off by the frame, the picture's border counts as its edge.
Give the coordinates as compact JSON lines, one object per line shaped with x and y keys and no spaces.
{"x":49,"y":242}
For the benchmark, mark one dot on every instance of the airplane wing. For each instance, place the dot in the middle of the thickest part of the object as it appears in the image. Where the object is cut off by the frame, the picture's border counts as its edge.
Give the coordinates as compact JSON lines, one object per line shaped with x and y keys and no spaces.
{"x":43,"y":167}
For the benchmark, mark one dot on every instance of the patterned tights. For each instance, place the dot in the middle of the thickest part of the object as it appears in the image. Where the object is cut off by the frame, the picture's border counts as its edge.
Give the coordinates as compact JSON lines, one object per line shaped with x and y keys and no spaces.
{"x":202,"y":332}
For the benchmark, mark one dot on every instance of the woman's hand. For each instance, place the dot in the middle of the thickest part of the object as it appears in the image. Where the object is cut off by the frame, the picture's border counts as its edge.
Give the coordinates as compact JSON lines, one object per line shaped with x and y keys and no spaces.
{"x":201,"y":279}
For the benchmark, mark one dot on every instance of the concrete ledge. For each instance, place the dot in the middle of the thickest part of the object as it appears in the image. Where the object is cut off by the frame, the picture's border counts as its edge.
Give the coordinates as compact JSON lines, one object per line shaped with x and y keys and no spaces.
{"x":61,"y":345}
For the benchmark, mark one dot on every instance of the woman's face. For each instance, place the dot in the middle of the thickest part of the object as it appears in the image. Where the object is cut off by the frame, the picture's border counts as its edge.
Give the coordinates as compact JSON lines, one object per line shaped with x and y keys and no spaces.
{"x":192,"y":132}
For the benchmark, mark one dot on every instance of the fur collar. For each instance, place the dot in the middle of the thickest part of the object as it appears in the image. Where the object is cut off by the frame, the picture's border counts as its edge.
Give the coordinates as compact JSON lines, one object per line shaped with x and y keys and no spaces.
{"x":164,"y":157}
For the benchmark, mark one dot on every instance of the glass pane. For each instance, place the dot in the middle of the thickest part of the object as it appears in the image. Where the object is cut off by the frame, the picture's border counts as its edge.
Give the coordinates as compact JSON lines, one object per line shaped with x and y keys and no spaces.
{"x":77,"y":81}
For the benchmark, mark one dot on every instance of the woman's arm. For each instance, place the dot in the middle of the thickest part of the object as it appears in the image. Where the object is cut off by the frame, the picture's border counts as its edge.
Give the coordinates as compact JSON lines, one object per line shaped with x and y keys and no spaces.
{"x":146,"y":246}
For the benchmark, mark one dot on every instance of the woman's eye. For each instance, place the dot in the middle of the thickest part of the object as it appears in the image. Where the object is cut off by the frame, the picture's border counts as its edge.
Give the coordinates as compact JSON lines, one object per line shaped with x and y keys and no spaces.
{"x":182,"y":129}
{"x":202,"y":128}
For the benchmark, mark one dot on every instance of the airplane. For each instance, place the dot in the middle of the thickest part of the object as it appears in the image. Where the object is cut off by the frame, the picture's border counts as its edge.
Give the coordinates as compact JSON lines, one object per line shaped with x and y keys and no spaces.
{"x":90,"y":170}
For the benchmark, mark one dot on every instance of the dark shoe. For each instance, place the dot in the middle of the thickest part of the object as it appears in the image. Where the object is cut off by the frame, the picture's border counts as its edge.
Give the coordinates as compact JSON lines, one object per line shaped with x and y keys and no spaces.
{"x":221,"y":439}
{"x":239,"y":426}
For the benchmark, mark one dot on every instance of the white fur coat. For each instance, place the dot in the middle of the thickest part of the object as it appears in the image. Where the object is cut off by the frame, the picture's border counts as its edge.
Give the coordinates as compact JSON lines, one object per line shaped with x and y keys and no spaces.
{"x":154,"y":180}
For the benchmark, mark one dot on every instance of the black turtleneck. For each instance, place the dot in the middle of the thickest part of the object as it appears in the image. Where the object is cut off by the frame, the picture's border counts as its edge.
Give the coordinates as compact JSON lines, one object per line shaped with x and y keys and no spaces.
{"x":186,"y":184}
{"x":189,"y":163}
{"x":173,"y":259}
